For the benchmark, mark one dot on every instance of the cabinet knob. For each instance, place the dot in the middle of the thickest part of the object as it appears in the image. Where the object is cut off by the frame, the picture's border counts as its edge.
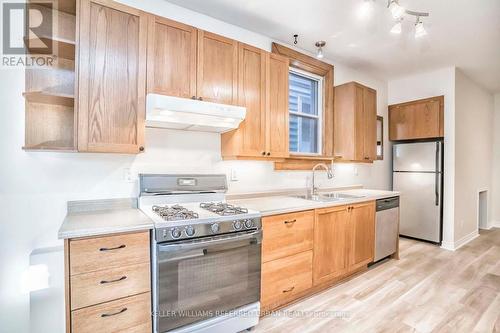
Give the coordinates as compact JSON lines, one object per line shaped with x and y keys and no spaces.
{"x":263,"y":153}
{"x":367,"y":158}
{"x":200,"y":98}
{"x":193,"y":97}
{"x":141,"y":148}
{"x":268,"y":154}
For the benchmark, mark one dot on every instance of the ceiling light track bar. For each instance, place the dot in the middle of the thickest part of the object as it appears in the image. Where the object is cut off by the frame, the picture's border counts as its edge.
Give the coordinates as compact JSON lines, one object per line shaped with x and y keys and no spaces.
{"x":417,"y":14}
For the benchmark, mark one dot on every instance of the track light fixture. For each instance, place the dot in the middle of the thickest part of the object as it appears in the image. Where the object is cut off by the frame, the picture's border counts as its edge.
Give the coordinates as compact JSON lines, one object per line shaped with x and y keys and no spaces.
{"x":398,"y":12}
{"x":320,"y":44}
{"x":396,"y":9}
{"x":398,"y":27}
{"x":419,"y":28}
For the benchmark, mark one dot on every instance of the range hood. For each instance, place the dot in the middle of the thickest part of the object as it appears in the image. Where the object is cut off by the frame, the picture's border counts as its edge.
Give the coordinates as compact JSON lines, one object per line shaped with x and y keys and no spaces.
{"x":191,"y":115}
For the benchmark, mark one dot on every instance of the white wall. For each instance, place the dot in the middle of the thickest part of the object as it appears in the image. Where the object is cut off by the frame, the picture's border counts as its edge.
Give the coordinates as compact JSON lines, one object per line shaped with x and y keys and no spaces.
{"x":34,"y":187}
{"x":474,"y":114}
{"x":430,"y":84}
{"x":495,"y":201}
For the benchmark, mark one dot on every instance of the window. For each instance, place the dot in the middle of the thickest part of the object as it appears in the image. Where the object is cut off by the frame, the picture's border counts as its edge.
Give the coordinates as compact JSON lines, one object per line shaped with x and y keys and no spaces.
{"x":305,"y":106}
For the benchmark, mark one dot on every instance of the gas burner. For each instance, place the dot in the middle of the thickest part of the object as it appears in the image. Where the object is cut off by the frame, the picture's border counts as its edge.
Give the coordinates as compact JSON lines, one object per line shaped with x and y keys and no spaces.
{"x":223,"y":209}
{"x":174,"y":213}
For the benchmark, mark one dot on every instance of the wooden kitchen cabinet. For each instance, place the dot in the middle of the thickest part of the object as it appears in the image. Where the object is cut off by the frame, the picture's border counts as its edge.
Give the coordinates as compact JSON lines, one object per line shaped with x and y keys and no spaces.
{"x":344,"y":240}
{"x":331,"y":244}
{"x":362,"y":235}
{"x":171,"y":58}
{"x":112,"y":77}
{"x":217,"y":68}
{"x":421,"y":119}
{"x":263,"y":90}
{"x":355,"y":125}
{"x":108,"y":283}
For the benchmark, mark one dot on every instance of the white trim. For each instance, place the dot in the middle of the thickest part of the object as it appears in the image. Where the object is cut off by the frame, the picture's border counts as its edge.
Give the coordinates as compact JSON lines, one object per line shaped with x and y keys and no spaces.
{"x":453,"y":246}
{"x":494,"y":224}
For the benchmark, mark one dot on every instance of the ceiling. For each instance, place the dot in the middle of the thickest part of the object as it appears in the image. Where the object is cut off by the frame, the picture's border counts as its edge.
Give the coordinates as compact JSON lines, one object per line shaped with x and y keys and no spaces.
{"x":462,"y":33}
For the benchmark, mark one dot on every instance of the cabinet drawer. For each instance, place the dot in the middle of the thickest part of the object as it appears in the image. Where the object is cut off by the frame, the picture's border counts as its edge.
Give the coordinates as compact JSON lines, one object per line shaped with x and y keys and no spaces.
{"x":92,"y":254}
{"x":283,"y":279}
{"x":131,"y":314}
{"x":287,"y":234}
{"x":106,"y":285}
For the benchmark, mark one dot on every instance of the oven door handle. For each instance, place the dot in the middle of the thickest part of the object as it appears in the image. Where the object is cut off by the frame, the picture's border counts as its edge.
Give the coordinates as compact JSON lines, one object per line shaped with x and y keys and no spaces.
{"x":231,"y":242}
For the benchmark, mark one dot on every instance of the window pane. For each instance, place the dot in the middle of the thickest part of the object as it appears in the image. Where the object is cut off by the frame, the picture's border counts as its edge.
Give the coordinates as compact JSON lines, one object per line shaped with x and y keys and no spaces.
{"x":303,"y":134}
{"x":303,"y":94}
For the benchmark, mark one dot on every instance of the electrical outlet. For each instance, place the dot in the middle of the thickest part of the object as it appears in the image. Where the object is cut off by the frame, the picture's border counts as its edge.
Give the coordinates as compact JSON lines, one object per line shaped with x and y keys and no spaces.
{"x":127,"y":175}
{"x":234,"y":175}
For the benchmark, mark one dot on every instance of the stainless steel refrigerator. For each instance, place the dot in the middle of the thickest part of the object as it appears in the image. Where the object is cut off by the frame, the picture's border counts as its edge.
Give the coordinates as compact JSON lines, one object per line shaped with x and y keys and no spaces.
{"x":418,"y":175}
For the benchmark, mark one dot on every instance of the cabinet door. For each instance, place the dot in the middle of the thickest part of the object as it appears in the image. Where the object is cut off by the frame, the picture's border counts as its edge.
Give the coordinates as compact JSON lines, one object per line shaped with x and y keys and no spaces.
{"x":331,"y":243}
{"x":252,"y":95}
{"x":217,"y":79}
{"x":171,"y":58}
{"x":370,"y":124}
{"x":421,"y":119}
{"x":277,"y":111}
{"x":112,"y":77}
{"x":362,"y":239}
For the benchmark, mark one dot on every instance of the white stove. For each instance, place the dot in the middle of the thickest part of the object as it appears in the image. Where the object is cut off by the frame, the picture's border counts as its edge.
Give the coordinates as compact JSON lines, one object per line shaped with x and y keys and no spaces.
{"x":206,"y":255}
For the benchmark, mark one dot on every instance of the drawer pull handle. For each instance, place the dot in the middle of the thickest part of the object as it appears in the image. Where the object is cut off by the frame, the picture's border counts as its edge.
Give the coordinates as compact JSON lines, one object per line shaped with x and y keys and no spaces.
{"x":104,"y":315}
{"x":102,"y":249}
{"x":288,"y":290}
{"x":111,"y":281}
{"x":291,"y":222}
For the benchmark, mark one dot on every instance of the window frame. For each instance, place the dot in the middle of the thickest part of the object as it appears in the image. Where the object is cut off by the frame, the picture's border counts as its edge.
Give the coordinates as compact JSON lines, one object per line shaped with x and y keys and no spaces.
{"x":319,"y":117}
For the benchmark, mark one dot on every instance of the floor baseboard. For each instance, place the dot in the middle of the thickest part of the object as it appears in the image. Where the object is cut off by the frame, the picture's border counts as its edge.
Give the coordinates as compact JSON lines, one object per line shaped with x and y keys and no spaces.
{"x":453,"y":246}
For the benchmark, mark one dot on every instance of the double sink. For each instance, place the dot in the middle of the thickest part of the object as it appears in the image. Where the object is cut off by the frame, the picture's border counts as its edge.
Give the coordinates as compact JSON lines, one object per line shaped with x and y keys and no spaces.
{"x":329,"y":197}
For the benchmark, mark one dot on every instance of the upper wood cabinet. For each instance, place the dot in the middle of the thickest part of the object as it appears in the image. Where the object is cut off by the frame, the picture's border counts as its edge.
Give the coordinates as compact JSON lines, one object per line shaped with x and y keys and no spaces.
{"x":263,"y":90}
{"x":421,"y":119}
{"x":111,"y":77}
{"x":277,"y":106}
{"x":355,"y":124}
{"x":171,"y":58}
{"x":217,"y":79}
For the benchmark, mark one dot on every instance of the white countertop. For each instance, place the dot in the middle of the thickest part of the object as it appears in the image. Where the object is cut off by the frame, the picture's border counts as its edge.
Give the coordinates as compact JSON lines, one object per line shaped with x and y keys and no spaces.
{"x":89,"y":219}
{"x":101,"y":222}
{"x":272,"y":205}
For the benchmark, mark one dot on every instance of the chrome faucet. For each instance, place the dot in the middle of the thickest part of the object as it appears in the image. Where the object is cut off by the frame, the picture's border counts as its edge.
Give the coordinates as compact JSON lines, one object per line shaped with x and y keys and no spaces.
{"x":329,"y":173}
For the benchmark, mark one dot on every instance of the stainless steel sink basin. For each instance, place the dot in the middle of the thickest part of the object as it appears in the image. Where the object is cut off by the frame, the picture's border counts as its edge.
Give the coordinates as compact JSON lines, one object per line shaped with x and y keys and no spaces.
{"x":341,"y":195}
{"x":328,"y":197}
{"x":319,"y":198}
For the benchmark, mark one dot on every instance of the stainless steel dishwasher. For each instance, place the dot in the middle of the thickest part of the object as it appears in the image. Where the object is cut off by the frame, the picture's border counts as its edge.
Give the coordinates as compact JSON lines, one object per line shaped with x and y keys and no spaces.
{"x":386,"y":227}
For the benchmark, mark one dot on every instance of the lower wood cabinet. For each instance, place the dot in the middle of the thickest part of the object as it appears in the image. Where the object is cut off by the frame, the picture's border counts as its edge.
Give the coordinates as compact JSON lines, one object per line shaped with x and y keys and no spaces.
{"x":331,"y":243}
{"x":307,"y":251}
{"x":283,"y":279}
{"x":108,"y":283}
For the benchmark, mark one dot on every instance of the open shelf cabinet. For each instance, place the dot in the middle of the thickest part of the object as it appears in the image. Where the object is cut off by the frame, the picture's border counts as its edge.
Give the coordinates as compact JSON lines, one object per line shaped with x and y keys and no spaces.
{"x":50,"y":114}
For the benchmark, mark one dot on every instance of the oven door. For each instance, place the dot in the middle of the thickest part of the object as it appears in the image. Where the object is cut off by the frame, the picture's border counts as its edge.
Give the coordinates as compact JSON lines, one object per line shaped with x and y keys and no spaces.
{"x":204,"y":278}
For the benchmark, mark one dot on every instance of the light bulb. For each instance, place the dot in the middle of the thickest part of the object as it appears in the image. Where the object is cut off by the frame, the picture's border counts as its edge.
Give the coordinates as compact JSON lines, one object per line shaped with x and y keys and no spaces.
{"x":396,"y":10}
{"x":420,"y":30}
{"x":320,"y":55}
{"x":396,"y":29}
{"x":365,"y":9}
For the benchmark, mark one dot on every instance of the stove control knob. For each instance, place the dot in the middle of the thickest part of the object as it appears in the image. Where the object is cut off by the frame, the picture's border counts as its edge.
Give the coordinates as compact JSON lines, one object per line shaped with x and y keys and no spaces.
{"x":175,"y":233}
{"x":190,"y":231}
{"x":249,"y":224}
{"x":237,"y":225}
{"x":215,"y":228}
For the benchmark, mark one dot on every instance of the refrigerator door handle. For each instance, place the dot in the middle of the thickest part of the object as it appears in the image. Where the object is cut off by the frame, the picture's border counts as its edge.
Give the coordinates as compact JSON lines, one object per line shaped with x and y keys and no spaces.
{"x":437,"y":173}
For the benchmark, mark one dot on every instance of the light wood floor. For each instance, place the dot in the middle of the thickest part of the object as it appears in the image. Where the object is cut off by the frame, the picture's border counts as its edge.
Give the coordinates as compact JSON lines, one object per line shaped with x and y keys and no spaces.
{"x":428,"y":290}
